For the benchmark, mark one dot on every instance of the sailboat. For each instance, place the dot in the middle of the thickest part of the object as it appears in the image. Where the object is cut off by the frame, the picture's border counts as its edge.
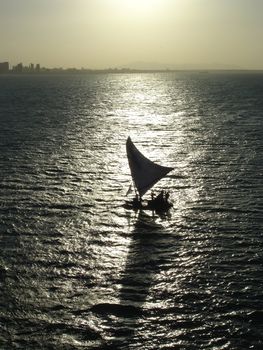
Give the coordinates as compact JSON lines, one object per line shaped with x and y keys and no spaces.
{"x":145,"y":174}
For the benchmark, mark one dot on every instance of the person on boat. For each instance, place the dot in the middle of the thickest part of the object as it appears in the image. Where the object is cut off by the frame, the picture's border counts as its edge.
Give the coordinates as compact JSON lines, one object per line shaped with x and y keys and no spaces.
{"x":160,"y":197}
{"x":167,"y":195}
{"x":136,"y":202}
{"x":152,"y":195}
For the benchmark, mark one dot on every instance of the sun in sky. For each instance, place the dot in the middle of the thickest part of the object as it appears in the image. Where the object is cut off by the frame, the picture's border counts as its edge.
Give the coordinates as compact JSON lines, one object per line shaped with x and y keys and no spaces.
{"x":143,"y":7}
{"x":115,"y":33}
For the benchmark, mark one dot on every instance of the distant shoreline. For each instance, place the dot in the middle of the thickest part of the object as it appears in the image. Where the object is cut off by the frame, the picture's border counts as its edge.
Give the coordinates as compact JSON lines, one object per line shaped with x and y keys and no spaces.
{"x":129,"y":71}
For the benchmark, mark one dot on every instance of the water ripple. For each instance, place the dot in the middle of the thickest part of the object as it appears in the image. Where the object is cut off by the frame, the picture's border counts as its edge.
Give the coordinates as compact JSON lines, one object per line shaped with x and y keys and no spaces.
{"x":77,"y":270}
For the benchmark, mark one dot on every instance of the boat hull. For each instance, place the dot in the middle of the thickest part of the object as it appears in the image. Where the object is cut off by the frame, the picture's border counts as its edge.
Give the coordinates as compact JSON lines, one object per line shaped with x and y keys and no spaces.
{"x":152,"y":205}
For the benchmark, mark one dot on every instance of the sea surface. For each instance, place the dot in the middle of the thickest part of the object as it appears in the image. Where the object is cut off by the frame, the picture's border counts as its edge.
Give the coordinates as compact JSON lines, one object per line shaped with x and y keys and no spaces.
{"x":77,"y":269}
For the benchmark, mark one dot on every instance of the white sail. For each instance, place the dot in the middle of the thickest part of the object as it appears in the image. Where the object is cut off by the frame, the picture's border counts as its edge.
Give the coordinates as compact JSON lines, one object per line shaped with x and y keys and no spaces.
{"x":145,"y":173}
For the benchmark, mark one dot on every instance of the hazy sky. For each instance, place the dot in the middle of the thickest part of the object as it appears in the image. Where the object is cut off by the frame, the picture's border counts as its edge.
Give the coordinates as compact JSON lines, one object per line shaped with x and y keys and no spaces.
{"x":115,"y":33}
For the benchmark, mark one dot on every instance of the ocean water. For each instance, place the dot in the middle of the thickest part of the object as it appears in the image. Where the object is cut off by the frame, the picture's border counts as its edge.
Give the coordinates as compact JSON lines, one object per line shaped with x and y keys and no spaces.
{"x":77,"y":270}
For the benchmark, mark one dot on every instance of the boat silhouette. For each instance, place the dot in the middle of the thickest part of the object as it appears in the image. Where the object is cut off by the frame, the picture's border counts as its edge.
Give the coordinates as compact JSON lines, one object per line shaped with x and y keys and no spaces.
{"x":145,"y":174}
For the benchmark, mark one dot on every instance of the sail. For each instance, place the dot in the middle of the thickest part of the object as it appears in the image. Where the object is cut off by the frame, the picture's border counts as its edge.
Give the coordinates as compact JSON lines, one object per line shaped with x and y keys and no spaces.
{"x":145,"y":173}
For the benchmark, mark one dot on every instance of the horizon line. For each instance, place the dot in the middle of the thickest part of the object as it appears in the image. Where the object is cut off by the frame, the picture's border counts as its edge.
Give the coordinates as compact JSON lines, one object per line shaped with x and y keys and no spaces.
{"x":156,"y":67}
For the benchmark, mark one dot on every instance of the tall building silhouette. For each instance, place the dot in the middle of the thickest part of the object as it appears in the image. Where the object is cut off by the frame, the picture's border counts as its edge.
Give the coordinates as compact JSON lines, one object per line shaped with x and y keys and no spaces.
{"x":4,"y":67}
{"x":18,"y":68}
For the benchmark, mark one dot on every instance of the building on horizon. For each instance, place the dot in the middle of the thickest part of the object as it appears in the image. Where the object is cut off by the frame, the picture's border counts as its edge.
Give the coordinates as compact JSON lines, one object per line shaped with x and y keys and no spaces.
{"x":18,"y":68}
{"x":4,"y":67}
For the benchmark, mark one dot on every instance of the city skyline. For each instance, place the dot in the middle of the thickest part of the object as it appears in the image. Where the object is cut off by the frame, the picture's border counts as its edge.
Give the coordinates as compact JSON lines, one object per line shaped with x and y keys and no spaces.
{"x":96,"y":34}
{"x":6,"y":67}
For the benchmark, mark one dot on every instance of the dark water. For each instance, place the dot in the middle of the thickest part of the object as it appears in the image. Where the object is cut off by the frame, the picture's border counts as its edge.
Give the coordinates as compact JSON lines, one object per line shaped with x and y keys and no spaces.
{"x":77,"y":270}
